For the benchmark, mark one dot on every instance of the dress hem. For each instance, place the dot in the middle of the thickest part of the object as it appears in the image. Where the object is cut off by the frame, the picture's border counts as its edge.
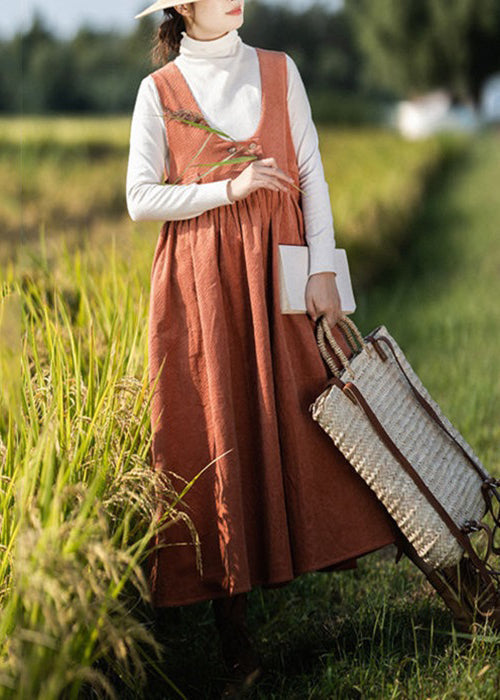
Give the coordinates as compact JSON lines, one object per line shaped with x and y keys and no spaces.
{"x":277,"y":582}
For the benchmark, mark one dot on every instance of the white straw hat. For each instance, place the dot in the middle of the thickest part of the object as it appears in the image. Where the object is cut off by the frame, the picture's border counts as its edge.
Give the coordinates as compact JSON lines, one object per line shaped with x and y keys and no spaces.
{"x":162,"y":5}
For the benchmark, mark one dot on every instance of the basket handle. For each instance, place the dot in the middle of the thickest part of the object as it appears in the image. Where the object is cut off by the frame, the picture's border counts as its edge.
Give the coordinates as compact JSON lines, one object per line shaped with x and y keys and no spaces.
{"x":323,"y":331}
{"x":352,"y":332}
{"x":353,"y":337}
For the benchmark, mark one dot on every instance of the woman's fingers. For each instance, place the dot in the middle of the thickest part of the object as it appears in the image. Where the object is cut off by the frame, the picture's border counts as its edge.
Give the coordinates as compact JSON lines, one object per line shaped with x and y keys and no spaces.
{"x":323,"y":299}
{"x":260,"y":173}
{"x":270,"y":175}
{"x":332,"y":314}
{"x":270,"y":167}
{"x":268,"y":179}
{"x":311,"y":307}
{"x":331,"y":319}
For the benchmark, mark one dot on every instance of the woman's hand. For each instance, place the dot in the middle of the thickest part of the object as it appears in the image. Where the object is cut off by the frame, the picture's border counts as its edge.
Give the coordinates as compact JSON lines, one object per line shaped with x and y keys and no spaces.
{"x":260,"y":173}
{"x":322,"y":297}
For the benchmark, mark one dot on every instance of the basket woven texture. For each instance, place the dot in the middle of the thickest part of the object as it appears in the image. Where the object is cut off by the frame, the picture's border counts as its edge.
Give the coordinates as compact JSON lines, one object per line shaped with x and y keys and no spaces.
{"x":433,"y":454}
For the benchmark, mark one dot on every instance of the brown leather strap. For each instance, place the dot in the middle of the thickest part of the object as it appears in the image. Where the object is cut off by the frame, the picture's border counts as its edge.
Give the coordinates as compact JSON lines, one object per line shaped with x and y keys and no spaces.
{"x":425,"y":404}
{"x":352,"y":392}
{"x":488,"y":487}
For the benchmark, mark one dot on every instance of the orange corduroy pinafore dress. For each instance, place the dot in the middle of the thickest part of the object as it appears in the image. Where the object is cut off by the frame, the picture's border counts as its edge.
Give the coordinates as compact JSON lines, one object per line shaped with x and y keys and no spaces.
{"x":238,"y":378}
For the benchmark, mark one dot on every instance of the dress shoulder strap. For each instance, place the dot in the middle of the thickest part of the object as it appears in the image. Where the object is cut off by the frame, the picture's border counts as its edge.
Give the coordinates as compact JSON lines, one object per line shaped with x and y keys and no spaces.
{"x":171,"y":87}
{"x":274,"y":79}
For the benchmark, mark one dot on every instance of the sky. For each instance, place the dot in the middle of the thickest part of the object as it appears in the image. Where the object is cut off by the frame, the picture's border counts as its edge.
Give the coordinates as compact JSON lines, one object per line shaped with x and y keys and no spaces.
{"x":65,"y":16}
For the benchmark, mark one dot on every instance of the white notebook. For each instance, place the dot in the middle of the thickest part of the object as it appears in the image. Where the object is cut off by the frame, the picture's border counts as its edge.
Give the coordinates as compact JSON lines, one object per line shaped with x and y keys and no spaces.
{"x":294,"y":266}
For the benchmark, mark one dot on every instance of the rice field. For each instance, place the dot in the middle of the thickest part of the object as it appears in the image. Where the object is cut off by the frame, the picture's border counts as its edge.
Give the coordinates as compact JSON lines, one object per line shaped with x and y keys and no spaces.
{"x":69,"y":181}
{"x":76,"y":494}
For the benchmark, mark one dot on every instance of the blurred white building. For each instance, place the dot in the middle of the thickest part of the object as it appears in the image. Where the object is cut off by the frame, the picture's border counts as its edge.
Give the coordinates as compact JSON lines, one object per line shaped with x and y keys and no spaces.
{"x":426,"y":114}
{"x":490,"y":100}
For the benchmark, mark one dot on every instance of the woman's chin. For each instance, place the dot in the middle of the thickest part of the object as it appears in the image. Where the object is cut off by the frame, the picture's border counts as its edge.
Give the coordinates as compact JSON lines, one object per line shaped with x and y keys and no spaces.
{"x":237,"y":21}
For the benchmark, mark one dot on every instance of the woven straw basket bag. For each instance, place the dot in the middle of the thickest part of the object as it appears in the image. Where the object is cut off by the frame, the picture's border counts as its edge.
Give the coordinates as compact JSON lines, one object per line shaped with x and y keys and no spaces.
{"x":381,"y":417}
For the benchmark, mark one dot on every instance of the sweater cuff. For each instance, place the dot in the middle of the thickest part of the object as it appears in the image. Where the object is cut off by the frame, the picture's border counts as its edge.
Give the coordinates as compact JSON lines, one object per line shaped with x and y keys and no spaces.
{"x":321,"y":259}
{"x":215,"y":193}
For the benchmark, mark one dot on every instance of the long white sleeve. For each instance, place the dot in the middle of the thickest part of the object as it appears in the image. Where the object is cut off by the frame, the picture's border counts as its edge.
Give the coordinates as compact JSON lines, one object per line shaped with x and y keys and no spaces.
{"x":147,"y":199}
{"x":318,"y":219}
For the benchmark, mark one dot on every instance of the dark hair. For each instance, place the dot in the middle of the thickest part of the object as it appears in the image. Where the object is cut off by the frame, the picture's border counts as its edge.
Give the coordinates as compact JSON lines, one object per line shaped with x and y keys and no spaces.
{"x":168,"y":36}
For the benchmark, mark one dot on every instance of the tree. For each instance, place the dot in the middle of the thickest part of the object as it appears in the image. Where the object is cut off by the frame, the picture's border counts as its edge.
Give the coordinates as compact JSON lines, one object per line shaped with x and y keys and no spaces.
{"x":320,"y":41}
{"x":411,"y":46}
{"x":100,"y":71}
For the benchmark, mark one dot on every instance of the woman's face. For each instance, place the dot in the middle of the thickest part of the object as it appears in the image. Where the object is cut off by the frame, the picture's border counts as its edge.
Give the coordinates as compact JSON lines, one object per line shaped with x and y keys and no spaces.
{"x":209,"y":19}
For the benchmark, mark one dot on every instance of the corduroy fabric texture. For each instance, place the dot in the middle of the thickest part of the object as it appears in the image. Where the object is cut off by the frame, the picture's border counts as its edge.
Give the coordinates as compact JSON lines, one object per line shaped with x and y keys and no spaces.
{"x":238,"y":379}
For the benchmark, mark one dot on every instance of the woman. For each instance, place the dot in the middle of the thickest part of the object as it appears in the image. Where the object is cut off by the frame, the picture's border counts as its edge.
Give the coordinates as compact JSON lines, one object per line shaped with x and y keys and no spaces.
{"x":238,"y":375}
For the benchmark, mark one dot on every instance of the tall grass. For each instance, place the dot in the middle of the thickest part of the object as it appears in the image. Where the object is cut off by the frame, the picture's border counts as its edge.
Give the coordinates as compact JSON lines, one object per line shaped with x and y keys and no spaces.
{"x":78,"y":497}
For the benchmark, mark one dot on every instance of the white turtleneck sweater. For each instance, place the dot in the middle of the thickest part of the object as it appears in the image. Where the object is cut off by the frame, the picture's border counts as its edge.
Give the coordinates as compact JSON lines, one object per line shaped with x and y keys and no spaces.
{"x":224,"y":77}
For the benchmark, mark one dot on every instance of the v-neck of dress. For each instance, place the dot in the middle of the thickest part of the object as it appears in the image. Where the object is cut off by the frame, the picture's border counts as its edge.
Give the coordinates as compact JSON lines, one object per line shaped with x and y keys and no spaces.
{"x":263,"y":101}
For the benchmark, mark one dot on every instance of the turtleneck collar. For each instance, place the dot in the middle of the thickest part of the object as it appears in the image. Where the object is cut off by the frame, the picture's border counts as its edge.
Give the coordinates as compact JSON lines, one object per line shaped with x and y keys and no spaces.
{"x":226,"y":45}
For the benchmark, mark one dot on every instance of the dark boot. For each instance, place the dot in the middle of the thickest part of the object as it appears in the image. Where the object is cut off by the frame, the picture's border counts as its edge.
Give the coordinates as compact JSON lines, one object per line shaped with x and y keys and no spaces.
{"x":242,"y":662}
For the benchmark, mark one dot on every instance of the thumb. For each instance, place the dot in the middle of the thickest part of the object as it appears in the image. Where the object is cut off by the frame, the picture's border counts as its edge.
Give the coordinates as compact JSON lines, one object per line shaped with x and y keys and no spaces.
{"x":311,"y":310}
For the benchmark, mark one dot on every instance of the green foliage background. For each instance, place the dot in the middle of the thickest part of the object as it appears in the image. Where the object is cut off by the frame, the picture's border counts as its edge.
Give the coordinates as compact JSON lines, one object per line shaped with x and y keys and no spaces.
{"x":413,"y":45}
{"x":351,"y":60}
{"x":97,"y":71}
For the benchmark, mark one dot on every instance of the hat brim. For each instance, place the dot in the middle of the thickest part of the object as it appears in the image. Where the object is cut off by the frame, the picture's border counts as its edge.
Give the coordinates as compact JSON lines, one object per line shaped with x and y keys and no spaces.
{"x":161,"y":5}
